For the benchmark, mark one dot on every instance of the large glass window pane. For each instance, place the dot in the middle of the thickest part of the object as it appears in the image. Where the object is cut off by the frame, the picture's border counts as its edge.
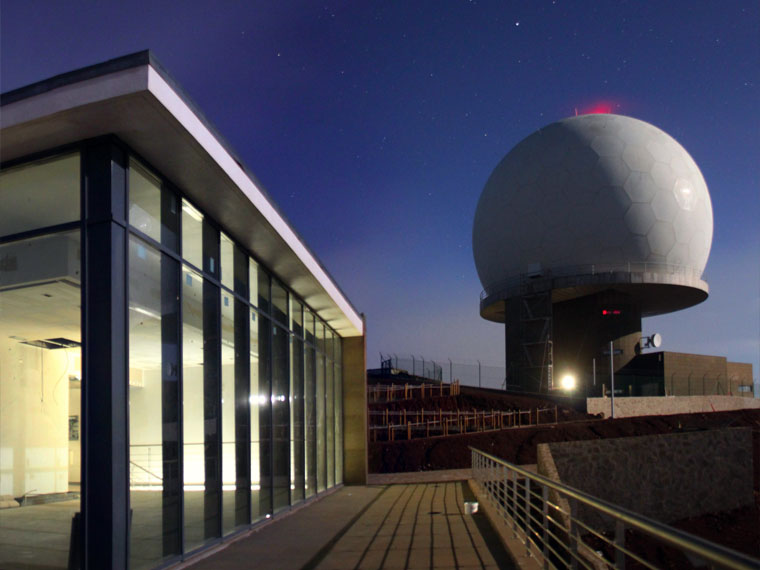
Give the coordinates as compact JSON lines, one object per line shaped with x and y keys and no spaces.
{"x":263,"y":290}
{"x":330,"y":415}
{"x":227,"y":255}
{"x":256,"y":402}
{"x":242,"y":414}
{"x":192,"y":234}
{"x":296,"y":317}
{"x":297,"y":473}
{"x":210,"y":249}
{"x":200,"y":362}
{"x":281,"y":416}
{"x":26,"y":192}
{"x":40,"y":396}
{"x":279,"y":303}
{"x":229,"y":447}
{"x":338,"y":421}
{"x":310,"y":417}
{"x":321,"y":428}
{"x":265,"y":415}
{"x":144,"y":200}
{"x":253,"y":282}
{"x":308,"y":325}
{"x":153,"y":405}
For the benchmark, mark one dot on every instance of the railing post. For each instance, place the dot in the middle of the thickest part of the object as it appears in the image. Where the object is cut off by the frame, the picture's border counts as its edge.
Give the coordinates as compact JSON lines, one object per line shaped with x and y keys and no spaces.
{"x":619,"y":543}
{"x":545,"y":521}
{"x":527,"y":517}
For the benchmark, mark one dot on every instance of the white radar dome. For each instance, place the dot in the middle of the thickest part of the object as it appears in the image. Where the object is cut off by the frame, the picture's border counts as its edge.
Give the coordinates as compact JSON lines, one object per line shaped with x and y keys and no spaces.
{"x":594,"y":191}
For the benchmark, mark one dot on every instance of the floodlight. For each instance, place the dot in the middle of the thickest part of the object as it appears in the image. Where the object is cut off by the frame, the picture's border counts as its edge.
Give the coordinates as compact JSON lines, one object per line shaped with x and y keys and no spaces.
{"x":568,"y":382}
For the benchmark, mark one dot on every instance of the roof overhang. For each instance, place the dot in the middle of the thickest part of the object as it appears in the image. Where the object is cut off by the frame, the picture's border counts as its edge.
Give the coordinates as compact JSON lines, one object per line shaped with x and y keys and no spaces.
{"x":135,"y":100}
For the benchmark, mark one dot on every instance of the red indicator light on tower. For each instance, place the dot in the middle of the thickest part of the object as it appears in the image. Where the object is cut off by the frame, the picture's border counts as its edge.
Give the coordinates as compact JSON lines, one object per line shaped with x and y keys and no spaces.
{"x":611,"y":312}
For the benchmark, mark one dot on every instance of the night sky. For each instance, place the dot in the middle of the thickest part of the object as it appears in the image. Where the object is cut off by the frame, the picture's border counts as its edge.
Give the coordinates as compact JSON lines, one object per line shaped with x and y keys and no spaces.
{"x":374,"y":127}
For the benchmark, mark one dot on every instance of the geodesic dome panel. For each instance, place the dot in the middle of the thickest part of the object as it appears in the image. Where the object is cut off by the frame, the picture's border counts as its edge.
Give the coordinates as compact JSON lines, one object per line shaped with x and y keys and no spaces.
{"x":601,"y":190}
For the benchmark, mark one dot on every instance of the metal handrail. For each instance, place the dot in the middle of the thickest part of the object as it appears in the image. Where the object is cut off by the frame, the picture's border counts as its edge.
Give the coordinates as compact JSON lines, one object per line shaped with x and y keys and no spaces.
{"x":590,"y":269}
{"x":709,"y":551}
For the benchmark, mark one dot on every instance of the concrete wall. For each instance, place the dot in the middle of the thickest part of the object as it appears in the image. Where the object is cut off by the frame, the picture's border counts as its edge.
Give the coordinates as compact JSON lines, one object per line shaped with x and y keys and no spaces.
{"x":666,"y":477}
{"x":355,"y":411}
{"x":654,"y":406}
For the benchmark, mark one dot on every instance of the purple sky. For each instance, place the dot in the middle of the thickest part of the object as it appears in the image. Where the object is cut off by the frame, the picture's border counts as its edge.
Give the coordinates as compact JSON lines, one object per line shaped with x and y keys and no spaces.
{"x":374,"y":126}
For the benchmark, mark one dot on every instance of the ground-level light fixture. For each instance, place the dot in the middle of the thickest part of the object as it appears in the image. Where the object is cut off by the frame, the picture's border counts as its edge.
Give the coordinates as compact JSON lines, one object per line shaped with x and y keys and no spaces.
{"x":568,"y":382}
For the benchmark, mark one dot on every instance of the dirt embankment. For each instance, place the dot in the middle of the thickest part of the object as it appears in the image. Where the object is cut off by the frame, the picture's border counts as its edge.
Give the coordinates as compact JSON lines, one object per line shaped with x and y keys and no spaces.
{"x":518,"y":445}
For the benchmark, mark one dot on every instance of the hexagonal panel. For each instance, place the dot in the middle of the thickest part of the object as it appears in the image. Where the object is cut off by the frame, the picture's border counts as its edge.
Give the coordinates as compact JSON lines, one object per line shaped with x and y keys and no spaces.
{"x":640,"y":187}
{"x":683,"y":226}
{"x":639,"y":218}
{"x":679,"y":166}
{"x":661,"y":238}
{"x":607,"y":145}
{"x":663,"y":175}
{"x":659,"y":149}
{"x":637,"y":157}
{"x":611,"y":201}
{"x":699,"y":247}
{"x":664,"y":206}
{"x":679,"y":255}
{"x":580,"y":159}
{"x":636,"y":248}
{"x":611,"y":171}
{"x":686,"y":194}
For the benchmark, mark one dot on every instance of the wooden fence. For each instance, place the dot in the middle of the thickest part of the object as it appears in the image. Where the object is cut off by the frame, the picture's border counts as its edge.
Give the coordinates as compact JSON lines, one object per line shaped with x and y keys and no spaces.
{"x":403,"y":424}
{"x":393,"y":392}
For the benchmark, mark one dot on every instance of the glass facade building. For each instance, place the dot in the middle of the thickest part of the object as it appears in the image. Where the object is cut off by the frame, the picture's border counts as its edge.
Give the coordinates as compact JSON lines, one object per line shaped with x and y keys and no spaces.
{"x":163,"y":385}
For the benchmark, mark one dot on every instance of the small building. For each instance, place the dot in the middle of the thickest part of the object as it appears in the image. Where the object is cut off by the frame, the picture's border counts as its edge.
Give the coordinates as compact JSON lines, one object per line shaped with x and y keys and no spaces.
{"x":176,"y":365}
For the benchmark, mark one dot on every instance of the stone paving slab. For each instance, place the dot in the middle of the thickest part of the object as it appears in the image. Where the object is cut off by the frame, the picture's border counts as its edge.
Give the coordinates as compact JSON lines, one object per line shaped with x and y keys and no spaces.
{"x":388,"y":527}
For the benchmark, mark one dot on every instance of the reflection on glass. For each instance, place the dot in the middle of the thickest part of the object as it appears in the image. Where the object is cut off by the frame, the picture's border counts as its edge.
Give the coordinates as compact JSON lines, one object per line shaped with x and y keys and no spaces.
{"x":144,"y":200}
{"x":153,"y":391}
{"x":310,"y":418}
{"x":40,"y":395}
{"x":227,"y":260}
{"x":26,"y":192}
{"x":192,"y":234}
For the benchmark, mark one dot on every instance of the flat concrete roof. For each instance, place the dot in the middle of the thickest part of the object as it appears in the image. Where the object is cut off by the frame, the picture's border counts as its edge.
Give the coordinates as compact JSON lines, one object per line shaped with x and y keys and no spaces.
{"x":133,"y":98}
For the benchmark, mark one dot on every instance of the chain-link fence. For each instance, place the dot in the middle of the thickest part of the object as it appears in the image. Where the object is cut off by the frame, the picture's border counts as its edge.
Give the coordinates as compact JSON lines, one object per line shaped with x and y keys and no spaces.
{"x":470,"y":373}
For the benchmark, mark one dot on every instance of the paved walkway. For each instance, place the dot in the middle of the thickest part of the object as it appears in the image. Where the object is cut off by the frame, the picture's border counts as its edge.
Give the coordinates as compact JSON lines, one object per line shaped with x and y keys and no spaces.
{"x":405,"y":526}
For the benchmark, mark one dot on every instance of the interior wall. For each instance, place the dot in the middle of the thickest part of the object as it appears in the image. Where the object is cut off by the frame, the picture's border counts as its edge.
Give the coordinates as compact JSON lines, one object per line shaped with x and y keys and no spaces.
{"x":75,"y":432}
{"x":34,"y":418}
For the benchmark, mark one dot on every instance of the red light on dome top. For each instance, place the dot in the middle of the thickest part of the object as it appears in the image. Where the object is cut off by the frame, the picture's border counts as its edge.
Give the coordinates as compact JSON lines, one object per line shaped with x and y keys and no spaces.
{"x":607,"y":312}
{"x":599,"y":107}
